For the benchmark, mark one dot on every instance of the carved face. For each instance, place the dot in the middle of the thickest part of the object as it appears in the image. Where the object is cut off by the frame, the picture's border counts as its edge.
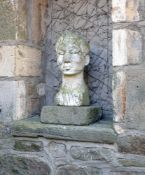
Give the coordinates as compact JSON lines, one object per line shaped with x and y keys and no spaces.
{"x":71,"y":60}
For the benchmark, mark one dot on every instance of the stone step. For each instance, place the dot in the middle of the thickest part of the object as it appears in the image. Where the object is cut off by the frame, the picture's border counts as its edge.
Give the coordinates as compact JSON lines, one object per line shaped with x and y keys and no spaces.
{"x":100,"y":132}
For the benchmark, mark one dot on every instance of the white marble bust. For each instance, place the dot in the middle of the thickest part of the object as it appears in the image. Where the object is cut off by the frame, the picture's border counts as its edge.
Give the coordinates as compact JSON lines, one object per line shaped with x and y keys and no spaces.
{"x":72,"y":56}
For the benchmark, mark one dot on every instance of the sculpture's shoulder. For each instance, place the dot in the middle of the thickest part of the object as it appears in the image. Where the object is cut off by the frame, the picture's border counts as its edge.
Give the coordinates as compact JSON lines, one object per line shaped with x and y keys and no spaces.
{"x":72,"y":96}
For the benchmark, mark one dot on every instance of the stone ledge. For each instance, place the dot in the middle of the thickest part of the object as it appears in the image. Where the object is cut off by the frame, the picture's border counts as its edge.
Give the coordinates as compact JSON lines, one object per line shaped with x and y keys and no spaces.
{"x":100,"y":132}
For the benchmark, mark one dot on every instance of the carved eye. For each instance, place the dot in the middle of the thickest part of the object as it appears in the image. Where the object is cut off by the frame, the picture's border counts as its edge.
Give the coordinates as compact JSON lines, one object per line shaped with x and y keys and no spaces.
{"x":61,"y":52}
{"x":74,"y":51}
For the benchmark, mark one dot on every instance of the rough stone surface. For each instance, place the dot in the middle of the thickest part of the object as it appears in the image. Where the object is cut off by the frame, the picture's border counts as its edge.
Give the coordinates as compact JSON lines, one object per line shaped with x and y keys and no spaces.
{"x":135,"y":98}
{"x":12,"y":100}
{"x":119,"y":95}
{"x":27,"y":145}
{"x":131,"y":143}
{"x":20,"y":61}
{"x":57,"y":149}
{"x":92,"y":20}
{"x":127,"y":47}
{"x":28,"y":61}
{"x":16,"y":24}
{"x":13,"y":20}
{"x":7,"y":61}
{"x":128,"y":97}
{"x":71,"y":170}
{"x":99,"y":132}
{"x":33,"y":100}
{"x":127,"y":173}
{"x":38,"y":20}
{"x":16,"y":165}
{"x":92,"y":153}
{"x":18,"y":99}
{"x":128,"y":10}
{"x":130,"y":160}
{"x":70,"y":115}
{"x":5,"y":130}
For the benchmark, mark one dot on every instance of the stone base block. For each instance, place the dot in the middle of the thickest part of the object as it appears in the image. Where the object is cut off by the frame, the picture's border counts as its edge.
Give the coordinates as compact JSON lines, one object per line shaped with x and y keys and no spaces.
{"x":70,"y":115}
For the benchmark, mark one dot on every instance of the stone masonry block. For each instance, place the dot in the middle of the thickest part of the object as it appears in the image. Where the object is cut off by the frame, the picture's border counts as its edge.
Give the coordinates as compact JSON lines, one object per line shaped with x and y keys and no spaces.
{"x":13,"y":20}
{"x":7,"y":61}
{"x":28,"y":145}
{"x":133,"y":143}
{"x":135,"y":103}
{"x":12,"y":100}
{"x":72,"y":115}
{"x":127,"y":47}
{"x":28,"y":61}
{"x":33,"y":100}
{"x":128,"y":10}
{"x":129,"y":97}
{"x":16,"y":164}
{"x":18,"y":100}
{"x":38,"y":22}
{"x":119,"y":95}
{"x":20,"y":61}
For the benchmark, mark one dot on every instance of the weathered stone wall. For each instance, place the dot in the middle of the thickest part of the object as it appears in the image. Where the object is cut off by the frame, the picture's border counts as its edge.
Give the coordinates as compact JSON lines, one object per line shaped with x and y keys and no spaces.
{"x":21,"y":31}
{"x":91,"y":19}
{"x":129,"y":76}
{"x":30,"y":147}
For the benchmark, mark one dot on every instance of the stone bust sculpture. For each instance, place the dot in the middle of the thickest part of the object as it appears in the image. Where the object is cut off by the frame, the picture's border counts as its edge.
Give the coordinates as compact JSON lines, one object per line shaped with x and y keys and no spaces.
{"x":72,"y":56}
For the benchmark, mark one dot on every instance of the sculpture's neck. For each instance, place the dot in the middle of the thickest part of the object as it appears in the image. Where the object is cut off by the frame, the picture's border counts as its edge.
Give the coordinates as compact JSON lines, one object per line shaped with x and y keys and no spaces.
{"x":74,"y":80}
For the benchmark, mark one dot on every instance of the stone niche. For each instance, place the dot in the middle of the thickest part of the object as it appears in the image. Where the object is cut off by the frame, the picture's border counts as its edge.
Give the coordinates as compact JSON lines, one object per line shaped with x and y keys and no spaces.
{"x":92,"y":20}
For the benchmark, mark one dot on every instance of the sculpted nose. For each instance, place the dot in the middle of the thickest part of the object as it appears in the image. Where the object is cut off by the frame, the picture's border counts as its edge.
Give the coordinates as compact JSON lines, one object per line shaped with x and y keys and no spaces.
{"x":67,"y":58}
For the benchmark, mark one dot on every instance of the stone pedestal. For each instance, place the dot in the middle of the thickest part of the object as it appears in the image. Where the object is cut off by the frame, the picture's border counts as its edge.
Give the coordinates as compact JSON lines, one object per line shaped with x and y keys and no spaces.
{"x":63,"y":115}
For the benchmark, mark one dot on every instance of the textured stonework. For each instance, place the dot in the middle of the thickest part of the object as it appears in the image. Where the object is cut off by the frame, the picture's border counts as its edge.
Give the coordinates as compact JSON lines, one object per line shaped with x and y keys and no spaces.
{"x":91,"y":20}
{"x":14,"y":165}
{"x":119,"y":95}
{"x":127,"y":47}
{"x":128,"y":97}
{"x":133,"y":143}
{"x":38,"y":21}
{"x":28,"y":61}
{"x":128,"y":10}
{"x":7,"y":61}
{"x":70,"y":115}
{"x":18,"y":99}
{"x":12,"y":100}
{"x":13,"y":20}
{"x":20,"y":61}
{"x":135,"y":98}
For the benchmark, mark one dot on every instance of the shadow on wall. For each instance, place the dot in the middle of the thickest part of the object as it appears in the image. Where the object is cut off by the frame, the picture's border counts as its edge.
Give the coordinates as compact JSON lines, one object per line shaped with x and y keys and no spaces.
{"x":92,"y":20}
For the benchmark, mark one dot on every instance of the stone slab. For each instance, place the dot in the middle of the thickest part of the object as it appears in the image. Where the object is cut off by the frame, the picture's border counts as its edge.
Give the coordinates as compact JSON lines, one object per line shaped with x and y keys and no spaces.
{"x":83,"y":115}
{"x":100,"y":132}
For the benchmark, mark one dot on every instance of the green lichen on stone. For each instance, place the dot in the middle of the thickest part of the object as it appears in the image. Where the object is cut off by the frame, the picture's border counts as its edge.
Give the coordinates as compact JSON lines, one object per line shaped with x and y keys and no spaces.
{"x":27,"y":145}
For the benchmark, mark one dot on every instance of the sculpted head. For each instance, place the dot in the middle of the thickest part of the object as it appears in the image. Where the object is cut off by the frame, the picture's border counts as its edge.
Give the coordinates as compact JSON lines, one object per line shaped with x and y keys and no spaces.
{"x":72,"y":53}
